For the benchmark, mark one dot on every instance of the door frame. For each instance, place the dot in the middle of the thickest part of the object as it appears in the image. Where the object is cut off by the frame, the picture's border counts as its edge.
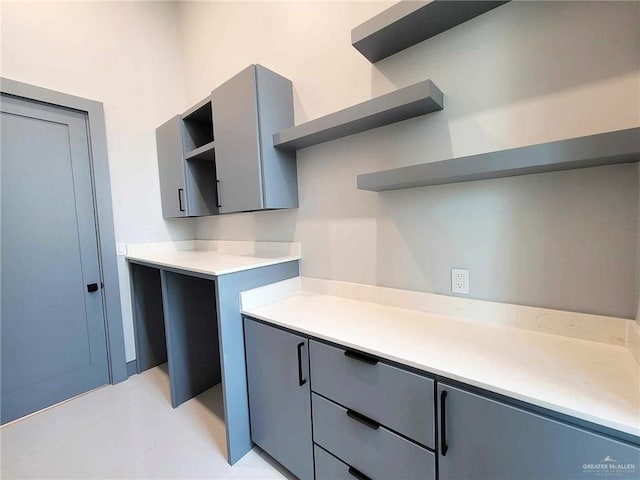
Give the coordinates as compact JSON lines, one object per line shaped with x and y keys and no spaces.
{"x":107,"y":259}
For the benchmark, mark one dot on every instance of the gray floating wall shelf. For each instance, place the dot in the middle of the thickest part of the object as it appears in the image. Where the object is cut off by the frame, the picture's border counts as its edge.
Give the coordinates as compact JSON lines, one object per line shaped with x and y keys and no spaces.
{"x":418,"y":99}
{"x":620,"y":146}
{"x":410,"y":22}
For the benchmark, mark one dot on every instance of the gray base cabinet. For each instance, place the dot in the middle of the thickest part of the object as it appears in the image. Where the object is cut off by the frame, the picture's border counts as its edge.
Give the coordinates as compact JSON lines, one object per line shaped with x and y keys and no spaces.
{"x":487,"y":439}
{"x":374,"y":420}
{"x":279,"y":396}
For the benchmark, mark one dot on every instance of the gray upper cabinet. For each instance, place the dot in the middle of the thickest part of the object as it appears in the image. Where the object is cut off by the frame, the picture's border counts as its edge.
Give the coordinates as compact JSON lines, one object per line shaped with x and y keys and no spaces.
{"x":484,"y":438}
{"x":279,"y":395}
{"x":218,"y":156}
{"x":171,"y":168}
{"x":251,"y":174}
{"x":186,"y":163}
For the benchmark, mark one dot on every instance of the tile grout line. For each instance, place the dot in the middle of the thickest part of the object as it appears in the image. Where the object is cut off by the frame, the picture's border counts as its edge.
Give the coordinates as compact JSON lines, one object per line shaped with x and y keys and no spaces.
{"x":70,"y":434}
{"x":143,"y":453}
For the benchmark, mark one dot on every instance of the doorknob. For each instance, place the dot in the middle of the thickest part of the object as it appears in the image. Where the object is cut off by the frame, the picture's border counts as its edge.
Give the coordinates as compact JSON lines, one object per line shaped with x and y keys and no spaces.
{"x":92,"y":287}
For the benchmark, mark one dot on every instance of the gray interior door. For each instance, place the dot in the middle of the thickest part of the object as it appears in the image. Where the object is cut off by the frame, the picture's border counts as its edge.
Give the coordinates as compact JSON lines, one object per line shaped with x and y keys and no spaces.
{"x":235,"y":126}
{"x":53,"y":331}
{"x":279,"y":398}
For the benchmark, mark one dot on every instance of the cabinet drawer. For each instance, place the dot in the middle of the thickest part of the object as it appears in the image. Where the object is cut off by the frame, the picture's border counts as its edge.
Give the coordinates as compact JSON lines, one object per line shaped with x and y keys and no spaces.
{"x":376,"y":452}
{"x":328,"y":467}
{"x":397,"y":399}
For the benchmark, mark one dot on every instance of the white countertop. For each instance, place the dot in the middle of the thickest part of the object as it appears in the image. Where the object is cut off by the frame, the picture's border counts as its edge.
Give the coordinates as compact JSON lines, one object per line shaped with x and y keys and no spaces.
{"x":593,"y":381}
{"x":214,"y":257}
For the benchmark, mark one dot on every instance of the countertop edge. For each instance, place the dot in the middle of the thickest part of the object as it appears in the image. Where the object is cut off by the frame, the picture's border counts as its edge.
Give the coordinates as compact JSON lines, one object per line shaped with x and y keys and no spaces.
{"x":623,"y":428}
{"x":266,"y":263}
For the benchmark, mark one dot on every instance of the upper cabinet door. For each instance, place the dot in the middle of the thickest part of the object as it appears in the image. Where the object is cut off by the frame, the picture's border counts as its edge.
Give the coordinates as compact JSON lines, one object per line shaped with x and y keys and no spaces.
{"x":275,"y":113}
{"x":235,"y":124}
{"x":171,"y":168}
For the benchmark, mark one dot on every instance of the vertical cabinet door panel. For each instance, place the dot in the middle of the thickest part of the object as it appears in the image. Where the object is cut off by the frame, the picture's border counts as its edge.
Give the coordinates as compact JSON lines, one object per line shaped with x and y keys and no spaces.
{"x":235,"y":124}
{"x":279,"y":168}
{"x":171,"y":168}
{"x":492,"y":440}
{"x":279,"y":396}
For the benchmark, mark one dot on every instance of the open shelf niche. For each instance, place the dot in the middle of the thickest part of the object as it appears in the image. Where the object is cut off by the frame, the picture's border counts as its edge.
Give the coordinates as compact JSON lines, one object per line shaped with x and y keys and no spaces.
{"x":610,"y":148}
{"x":198,"y":127}
{"x":418,"y":99}
{"x":199,"y":156}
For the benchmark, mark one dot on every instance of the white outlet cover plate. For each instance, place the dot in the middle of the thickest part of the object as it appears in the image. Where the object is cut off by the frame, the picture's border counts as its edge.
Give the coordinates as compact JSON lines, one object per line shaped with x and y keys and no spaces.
{"x":460,"y":281}
{"x":121,"y":248}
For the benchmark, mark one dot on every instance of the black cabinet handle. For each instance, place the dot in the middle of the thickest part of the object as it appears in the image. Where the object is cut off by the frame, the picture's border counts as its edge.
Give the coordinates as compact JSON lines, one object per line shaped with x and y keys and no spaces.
{"x":363,"y":357}
{"x":92,"y":287}
{"x":363,"y":420}
{"x":180,"y":191}
{"x":301,"y":381}
{"x":358,"y":474}
{"x":443,"y":423}
{"x":218,"y":204}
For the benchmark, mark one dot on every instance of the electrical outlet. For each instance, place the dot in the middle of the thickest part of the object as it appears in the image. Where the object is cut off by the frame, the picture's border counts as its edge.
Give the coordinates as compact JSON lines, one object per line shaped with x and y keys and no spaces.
{"x":121,"y":248}
{"x":460,"y":281}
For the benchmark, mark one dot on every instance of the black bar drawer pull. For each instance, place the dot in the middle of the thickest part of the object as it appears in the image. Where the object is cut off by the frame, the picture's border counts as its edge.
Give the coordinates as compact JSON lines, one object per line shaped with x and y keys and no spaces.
{"x":92,"y":287}
{"x":301,"y":381}
{"x":443,"y":423}
{"x":363,"y":420}
{"x":363,"y":357}
{"x":218,"y":204}
{"x":180,"y":192}
{"x":358,"y":474}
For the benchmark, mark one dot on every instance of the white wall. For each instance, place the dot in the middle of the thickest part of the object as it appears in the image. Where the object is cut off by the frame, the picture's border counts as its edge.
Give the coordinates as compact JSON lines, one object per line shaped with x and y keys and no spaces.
{"x":128,"y":56}
{"x":527,"y":72}
{"x":524,"y":73}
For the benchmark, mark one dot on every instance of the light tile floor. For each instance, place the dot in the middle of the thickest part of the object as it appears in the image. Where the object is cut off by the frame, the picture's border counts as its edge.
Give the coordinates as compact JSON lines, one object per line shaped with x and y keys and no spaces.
{"x":129,"y":431}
